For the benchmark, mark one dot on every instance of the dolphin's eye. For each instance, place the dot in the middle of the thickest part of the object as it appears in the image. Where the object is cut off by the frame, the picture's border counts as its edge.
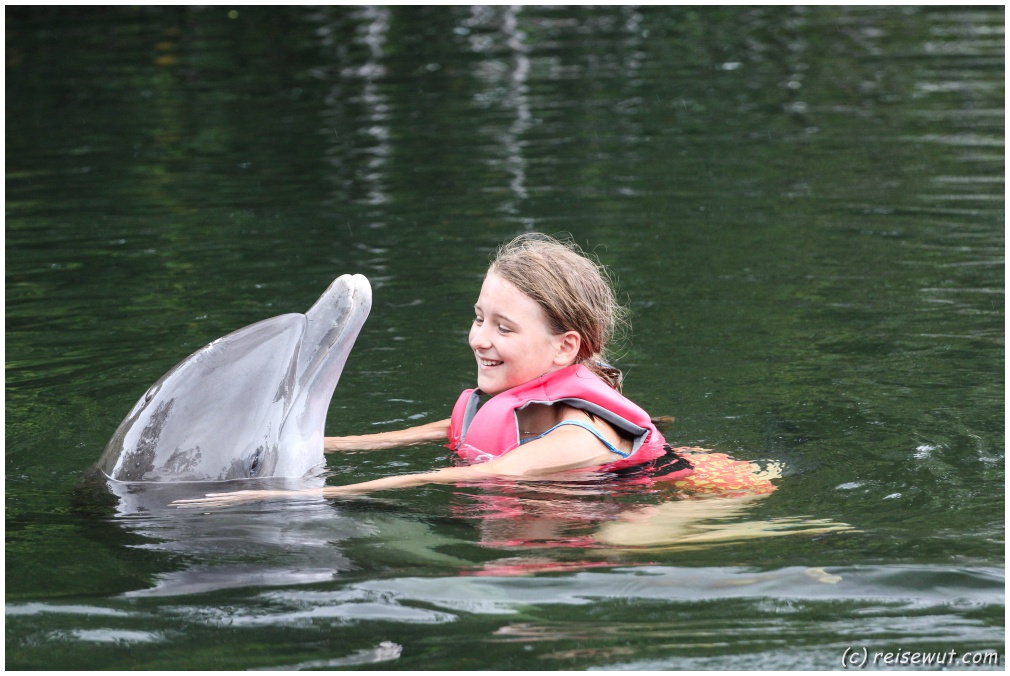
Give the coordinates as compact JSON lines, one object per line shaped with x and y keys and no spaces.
{"x":255,"y":464}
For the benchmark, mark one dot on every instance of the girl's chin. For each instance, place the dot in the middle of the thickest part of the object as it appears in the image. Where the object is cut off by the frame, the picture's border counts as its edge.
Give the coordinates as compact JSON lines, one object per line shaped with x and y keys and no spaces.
{"x":489,"y":388}
{"x":489,"y":385}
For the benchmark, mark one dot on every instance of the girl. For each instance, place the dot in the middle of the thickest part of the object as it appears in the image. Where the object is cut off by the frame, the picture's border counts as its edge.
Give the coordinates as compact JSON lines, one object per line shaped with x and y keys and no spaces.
{"x":544,"y":317}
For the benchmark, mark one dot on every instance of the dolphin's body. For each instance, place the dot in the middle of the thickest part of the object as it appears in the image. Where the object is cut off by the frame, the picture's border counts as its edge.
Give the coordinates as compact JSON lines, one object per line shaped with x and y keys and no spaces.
{"x":249,"y":405}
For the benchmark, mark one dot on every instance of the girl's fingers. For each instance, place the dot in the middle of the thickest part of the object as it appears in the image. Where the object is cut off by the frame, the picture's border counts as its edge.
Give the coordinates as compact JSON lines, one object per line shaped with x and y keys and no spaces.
{"x":212,"y":500}
{"x":221,"y":499}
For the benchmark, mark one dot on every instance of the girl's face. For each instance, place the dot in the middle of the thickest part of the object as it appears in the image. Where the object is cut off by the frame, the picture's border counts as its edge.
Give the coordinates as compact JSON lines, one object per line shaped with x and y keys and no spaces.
{"x":511,"y":340}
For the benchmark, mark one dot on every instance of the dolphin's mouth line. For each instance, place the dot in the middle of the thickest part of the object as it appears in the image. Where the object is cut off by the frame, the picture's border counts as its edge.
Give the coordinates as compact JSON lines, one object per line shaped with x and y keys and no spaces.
{"x":336,"y":335}
{"x":126,"y":482}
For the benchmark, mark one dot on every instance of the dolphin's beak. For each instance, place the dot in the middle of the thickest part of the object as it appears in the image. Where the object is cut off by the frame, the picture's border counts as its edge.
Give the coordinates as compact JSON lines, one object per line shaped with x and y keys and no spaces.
{"x":332,"y":326}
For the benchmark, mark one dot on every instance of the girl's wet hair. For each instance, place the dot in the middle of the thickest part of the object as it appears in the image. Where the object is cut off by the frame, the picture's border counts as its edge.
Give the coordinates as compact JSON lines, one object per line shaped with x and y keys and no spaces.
{"x":575,"y":292}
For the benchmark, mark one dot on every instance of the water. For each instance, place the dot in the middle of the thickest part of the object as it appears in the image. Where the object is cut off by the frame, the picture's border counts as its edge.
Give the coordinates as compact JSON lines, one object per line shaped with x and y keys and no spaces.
{"x":804,"y":208}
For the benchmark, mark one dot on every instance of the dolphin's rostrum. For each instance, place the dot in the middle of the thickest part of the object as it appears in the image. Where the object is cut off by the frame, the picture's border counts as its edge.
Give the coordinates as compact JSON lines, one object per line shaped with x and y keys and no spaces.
{"x":250,"y":404}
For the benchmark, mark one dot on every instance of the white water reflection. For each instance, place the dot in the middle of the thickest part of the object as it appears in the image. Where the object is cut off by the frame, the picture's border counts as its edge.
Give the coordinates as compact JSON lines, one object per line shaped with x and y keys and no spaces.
{"x":356,"y":104}
{"x":494,"y":33}
{"x":384,"y":652}
{"x":904,"y":586}
{"x":881,"y":607}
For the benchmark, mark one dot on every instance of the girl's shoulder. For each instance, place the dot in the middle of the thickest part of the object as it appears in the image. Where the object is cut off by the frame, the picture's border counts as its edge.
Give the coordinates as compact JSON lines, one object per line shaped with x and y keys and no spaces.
{"x":606,"y":431}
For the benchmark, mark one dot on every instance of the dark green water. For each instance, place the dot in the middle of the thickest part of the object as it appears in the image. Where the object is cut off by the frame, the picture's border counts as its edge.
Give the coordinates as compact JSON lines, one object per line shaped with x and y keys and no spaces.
{"x":804,"y":207}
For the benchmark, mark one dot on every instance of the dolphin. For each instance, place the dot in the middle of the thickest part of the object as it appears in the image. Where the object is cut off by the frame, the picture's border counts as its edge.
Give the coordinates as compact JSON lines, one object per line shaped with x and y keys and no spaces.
{"x":249,"y":405}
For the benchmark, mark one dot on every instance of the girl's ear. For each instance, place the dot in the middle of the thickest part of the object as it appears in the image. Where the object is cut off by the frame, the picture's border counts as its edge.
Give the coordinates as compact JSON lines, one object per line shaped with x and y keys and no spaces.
{"x":568,"y":345}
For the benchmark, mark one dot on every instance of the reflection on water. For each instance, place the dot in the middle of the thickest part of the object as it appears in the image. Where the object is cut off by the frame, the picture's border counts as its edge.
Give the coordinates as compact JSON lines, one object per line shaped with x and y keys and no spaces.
{"x":602,"y":523}
{"x":711,"y":520}
{"x":803,"y":207}
{"x":356,"y":93}
{"x":223,"y":550}
{"x":384,"y":652}
{"x":303,"y":541}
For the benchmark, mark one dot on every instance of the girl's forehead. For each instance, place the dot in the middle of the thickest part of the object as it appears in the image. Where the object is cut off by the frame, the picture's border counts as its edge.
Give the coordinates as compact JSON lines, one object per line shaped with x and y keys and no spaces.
{"x":497,"y":294}
{"x":498,"y":289}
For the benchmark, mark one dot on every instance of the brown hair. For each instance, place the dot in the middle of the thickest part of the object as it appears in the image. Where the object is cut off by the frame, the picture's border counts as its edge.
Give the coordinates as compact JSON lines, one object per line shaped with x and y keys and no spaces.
{"x":575,"y":292}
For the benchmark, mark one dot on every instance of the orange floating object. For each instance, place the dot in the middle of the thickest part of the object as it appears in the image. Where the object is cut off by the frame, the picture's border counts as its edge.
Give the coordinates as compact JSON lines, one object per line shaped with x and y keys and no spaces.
{"x":718,"y":474}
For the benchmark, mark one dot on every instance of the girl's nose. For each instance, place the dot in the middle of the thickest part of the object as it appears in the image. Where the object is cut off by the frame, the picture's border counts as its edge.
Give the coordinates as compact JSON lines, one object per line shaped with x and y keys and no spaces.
{"x":479,"y":337}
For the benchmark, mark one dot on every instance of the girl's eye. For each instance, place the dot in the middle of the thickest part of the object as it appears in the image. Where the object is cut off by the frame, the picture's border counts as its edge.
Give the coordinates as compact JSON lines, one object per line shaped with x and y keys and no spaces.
{"x":503,"y":330}
{"x":478,"y":321}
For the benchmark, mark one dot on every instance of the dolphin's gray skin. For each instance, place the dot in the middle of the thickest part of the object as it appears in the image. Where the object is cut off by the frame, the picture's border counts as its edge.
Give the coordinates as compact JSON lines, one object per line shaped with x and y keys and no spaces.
{"x":249,"y":405}
{"x":248,"y":411}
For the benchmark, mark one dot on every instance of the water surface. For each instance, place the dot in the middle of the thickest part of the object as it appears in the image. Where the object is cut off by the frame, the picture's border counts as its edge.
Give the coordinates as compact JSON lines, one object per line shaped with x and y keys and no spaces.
{"x":804,"y":209}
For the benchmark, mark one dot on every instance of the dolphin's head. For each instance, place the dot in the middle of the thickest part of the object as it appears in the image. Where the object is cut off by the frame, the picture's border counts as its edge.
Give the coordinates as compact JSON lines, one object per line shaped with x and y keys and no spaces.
{"x":250,"y":404}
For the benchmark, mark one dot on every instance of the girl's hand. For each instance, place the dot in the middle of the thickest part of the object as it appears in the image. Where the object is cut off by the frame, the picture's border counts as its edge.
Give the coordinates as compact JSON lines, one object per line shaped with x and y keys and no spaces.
{"x":236,"y":498}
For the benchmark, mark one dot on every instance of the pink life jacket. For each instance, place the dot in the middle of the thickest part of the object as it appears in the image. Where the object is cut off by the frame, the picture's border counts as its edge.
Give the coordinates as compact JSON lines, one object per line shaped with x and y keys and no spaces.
{"x":492,"y":430}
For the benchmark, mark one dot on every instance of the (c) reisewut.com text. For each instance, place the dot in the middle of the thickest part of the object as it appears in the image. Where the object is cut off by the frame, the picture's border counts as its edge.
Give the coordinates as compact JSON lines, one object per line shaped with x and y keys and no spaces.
{"x":860,"y":658}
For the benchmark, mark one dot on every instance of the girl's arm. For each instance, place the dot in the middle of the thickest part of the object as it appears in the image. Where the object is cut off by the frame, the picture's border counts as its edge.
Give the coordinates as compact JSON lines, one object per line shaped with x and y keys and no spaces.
{"x":564,"y":449}
{"x":431,"y":432}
